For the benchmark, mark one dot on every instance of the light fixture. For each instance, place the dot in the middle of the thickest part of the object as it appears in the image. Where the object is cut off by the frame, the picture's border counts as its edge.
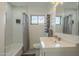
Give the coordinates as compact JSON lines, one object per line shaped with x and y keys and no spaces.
{"x":57,"y":3}
{"x":61,"y":3}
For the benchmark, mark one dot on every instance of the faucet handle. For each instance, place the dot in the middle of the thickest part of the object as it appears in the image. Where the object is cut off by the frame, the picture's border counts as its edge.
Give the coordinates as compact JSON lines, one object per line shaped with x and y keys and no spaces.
{"x":59,"y":39}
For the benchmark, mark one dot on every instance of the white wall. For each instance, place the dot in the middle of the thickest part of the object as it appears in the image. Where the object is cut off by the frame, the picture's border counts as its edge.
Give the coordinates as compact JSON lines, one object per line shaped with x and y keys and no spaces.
{"x":18,"y":29}
{"x":77,"y":26}
{"x":2,"y":28}
{"x":9,"y":28}
{"x":13,"y":35}
{"x":6,"y":32}
{"x":59,"y":28}
{"x":36,"y":30}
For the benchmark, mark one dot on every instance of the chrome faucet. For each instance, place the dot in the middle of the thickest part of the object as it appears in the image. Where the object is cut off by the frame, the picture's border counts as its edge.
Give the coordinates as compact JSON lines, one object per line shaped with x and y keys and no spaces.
{"x":50,"y":33}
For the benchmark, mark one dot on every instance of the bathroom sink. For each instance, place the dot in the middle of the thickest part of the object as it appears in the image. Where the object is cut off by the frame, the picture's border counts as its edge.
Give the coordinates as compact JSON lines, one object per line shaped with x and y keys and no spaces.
{"x":56,"y":45}
{"x":52,"y":42}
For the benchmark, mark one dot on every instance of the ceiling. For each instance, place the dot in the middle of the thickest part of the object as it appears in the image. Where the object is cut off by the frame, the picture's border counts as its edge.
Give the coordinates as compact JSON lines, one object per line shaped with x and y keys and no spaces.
{"x":29,"y":3}
{"x":70,"y":5}
{"x":65,"y":5}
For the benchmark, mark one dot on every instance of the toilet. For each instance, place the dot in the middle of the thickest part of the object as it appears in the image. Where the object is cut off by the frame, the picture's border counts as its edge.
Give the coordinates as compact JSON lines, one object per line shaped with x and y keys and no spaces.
{"x":37,"y":45}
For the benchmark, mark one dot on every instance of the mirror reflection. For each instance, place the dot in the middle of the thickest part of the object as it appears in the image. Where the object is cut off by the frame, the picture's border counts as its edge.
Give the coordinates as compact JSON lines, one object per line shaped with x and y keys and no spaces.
{"x":66,"y":20}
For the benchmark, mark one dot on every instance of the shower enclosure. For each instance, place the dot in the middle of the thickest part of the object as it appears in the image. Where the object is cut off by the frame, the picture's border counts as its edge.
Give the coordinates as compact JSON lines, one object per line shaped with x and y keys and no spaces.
{"x":11,"y":30}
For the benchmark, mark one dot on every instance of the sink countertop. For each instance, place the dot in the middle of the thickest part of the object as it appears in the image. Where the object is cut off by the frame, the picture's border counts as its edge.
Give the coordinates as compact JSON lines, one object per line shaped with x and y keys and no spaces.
{"x":68,"y":37}
{"x":48,"y":42}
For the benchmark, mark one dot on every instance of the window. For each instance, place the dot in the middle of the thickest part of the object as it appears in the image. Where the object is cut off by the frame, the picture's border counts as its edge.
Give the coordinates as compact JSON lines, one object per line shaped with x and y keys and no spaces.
{"x":34,"y":20}
{"x":41,"y":19}
{"x":58,"y":20}
{"x":37,"y":20}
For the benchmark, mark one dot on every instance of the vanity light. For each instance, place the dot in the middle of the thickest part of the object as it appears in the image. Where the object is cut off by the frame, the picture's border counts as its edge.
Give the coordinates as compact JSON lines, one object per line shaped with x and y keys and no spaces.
{"x":61,"y":3}
{"x":57,"y":3}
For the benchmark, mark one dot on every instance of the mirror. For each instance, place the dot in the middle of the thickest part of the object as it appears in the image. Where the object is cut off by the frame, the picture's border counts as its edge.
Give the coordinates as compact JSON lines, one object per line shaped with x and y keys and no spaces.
{"x":66,"y":19}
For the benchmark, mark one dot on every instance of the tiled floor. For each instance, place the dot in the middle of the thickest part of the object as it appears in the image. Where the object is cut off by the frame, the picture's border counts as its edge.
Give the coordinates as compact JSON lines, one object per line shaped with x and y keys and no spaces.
{"x":32,"y":52}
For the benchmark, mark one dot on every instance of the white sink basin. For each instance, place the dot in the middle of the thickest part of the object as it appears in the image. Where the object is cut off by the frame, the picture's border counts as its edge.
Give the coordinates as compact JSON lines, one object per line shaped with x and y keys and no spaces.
{"x":56,"y":45}
{"x":51,"y":42}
